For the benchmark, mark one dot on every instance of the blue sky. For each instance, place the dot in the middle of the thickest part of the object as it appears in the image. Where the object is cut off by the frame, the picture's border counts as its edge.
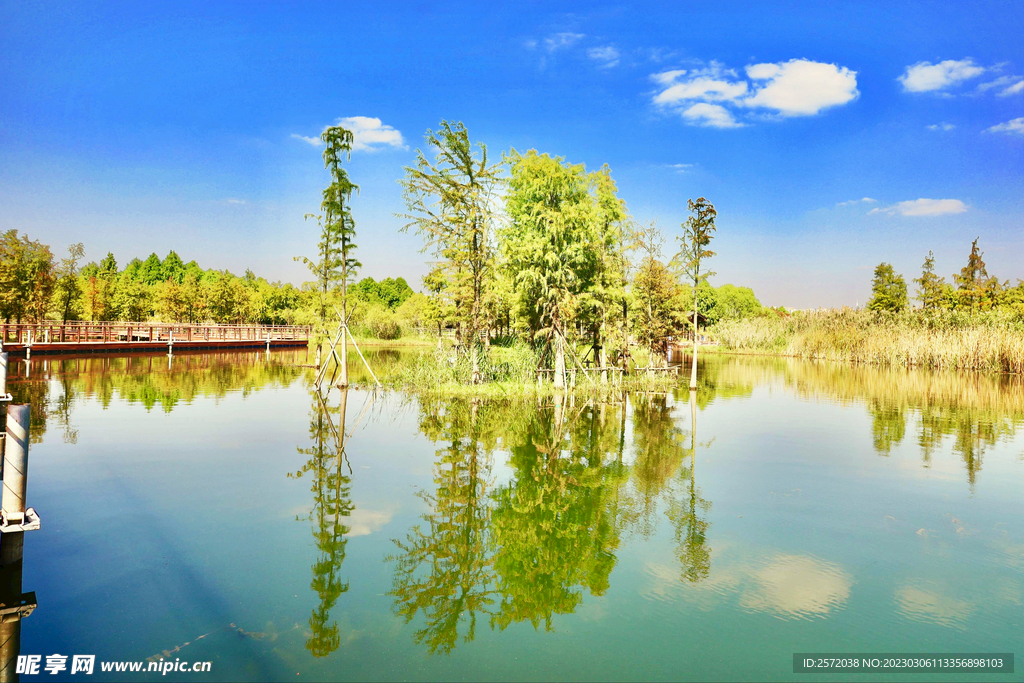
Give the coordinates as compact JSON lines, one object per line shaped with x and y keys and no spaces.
{"x":828,"y":139}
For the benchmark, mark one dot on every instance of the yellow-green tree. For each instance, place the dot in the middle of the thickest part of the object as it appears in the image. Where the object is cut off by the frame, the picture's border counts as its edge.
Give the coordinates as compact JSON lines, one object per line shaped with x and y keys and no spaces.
{"x":549,"y":244}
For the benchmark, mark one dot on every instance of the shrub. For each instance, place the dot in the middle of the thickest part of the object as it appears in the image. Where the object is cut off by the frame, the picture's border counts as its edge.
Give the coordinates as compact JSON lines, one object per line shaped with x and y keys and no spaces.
{"x":381,"y":324}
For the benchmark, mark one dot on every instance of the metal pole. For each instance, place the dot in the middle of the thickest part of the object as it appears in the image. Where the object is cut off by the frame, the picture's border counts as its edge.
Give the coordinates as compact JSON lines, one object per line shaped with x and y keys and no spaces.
{"x":16,"y":461}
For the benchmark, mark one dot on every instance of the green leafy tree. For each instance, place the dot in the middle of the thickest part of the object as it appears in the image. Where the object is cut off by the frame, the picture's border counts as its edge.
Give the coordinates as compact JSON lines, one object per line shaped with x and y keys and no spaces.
{"x":170,"y":301}
{"x":607,"y":295}
{"x":1013,"y":298}
{"x":99,"y":286}
{"x":735,"y":302}
{"x":151,"y":271}
{"x":389,"y":292}
{"x":26,"y":277}
{"x":888,"y":290}
{"x":450,"y":203}
{"x":193,"y":303}
{"x":225,"y":298}
{"x":172,"y":268}
{"x":67,"y":290}
{"x":930,"y":286}
{"x":549,"y":243}
{"x":133,"y":299}
{"x":976,"y":290}
{"x":655,"y":293}
{"x":698,"y":231}
{"x":439,"y":309}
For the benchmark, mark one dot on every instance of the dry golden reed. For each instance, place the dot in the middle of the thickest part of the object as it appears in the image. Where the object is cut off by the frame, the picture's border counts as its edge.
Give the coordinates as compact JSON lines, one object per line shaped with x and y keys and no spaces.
{"x":989,"y":343}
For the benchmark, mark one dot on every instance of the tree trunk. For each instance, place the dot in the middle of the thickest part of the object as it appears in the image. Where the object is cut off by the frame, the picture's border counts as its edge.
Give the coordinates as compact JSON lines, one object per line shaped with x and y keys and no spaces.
{"x":693,"y":436}
{"x":559,"y":361}
{"x":475,"y":355}
{"x":344,"y":322}
{"x":693,"y":366}
{"x":344,"y":358}
{"x":341,"y":428}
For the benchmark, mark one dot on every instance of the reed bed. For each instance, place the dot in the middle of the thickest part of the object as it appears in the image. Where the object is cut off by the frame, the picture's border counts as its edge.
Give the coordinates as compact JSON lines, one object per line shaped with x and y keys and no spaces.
{"x":990,"y":342}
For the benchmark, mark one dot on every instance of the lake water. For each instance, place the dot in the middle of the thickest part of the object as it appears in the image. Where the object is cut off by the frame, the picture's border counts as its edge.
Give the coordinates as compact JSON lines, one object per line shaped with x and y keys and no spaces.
{"x":201,"y":508}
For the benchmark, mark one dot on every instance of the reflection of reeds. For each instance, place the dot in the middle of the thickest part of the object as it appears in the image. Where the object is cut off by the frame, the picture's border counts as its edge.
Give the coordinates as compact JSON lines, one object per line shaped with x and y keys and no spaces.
{"x":989,"y":343}
{"x":995,"y":396}
{"x":975,"y":409}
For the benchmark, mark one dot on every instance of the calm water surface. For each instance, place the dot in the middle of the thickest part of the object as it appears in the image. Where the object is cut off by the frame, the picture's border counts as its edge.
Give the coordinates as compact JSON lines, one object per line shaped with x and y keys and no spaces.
{"x":203,"y":508}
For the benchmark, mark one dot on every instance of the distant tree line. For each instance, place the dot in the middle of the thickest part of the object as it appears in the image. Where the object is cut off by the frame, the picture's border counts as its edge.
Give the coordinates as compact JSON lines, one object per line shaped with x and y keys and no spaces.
{"x":972,"y":289}
{"x":35,"y":286}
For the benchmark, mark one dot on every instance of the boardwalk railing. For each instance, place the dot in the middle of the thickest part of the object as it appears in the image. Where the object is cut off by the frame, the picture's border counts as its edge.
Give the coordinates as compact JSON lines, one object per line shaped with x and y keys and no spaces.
{"x":125,"y":332}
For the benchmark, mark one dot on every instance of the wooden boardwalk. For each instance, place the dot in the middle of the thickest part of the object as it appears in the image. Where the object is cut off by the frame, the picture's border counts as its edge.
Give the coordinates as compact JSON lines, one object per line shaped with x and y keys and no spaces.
{"x":121,"y":337}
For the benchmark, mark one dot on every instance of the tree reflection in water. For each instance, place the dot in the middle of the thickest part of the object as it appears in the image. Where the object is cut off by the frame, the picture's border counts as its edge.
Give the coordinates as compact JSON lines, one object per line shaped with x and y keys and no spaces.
{"x":685,"y":512}
{"x":458,"y":581}
{"x":332,"y":505}
{"x":530,"y":548}
{"x":553,"y":531}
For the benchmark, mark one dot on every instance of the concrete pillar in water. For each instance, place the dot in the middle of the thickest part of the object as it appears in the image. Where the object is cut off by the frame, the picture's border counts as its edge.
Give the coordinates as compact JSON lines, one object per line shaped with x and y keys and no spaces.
{"x":12,"y":602}
{"x":15,"y":471}
{"x":14,"y":605}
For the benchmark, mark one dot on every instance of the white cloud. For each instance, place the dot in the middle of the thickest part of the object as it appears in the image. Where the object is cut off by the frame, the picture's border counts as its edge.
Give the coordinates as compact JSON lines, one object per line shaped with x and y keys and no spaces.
{"x":867,"y":200}
{"x":1012,"y":126}
{"x":1010,"y":85}
{"x":711,"y":115}
{"x":607,"y":55}
{"x":667,"y":78}
{"x":941,"y":126}
{"x":558,"y":41}
{"x":369,"y":134}
{"x":926,"y":77}
{"x":682,"y":168}
{"x":715,"y":95}
{"x":1017,"y":87}
{"x":657,"y":54}
{"x":924,"y":207}
{"x":232,"y":200}
{"x":308,"y":140}
{"x":701,"y":88}
{"x":801,"y":87}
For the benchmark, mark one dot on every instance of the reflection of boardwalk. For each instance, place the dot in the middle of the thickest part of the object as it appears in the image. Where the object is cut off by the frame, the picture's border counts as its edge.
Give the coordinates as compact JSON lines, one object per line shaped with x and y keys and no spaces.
{"x":106,"y":337}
